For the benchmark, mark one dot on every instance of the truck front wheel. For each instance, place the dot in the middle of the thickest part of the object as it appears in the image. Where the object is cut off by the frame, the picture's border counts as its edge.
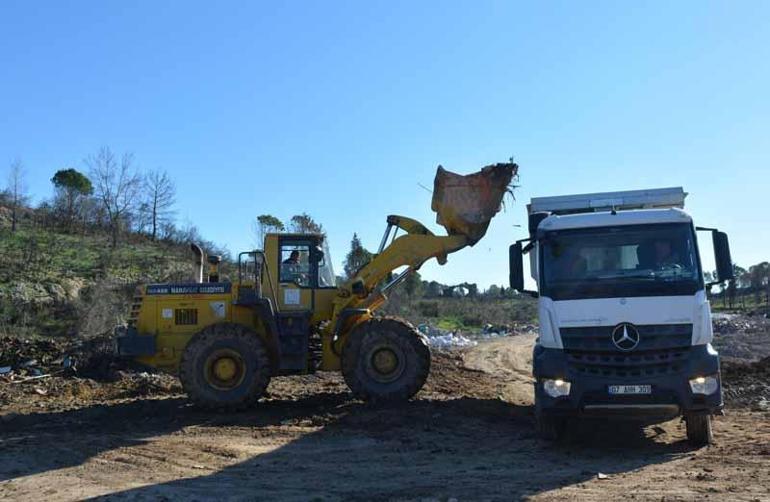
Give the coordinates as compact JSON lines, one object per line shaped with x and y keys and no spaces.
{"x":699,"y":431}
{"x":550,"y":428}
{"x":385,"y":360}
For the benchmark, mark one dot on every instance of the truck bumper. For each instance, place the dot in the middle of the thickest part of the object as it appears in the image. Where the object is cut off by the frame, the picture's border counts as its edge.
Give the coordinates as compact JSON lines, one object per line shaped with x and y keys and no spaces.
{"x":589,"y":395}
{"x":129,"y":343}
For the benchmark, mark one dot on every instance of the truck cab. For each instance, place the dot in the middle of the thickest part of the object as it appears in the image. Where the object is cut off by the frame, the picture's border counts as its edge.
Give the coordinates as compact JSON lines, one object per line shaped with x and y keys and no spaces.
{"x":625,"y":323}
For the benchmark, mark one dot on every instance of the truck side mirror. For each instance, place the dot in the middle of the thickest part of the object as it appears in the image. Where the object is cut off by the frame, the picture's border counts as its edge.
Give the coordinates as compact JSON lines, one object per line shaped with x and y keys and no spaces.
{"x":722,"y":256}
{"x":516,"y":267}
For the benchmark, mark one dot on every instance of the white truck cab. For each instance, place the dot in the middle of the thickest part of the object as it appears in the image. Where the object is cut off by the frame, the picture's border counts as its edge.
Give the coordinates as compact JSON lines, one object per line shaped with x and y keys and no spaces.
{"x":625,"y":324}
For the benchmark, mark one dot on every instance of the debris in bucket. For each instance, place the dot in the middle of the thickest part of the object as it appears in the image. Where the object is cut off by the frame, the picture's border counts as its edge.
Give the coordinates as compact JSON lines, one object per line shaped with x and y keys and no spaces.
{"x":465,"y":205}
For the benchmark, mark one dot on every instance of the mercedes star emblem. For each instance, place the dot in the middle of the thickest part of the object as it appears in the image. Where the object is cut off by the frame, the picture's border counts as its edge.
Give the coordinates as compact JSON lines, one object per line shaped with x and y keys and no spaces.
{"x":625,"y":336}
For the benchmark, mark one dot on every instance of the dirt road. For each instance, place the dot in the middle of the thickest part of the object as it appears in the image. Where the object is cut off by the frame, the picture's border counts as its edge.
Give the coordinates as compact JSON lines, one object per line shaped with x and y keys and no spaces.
{"x":468,"y":435}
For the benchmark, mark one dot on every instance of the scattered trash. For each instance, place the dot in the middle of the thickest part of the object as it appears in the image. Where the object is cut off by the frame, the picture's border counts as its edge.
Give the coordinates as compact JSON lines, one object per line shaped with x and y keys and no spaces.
{"x":5,"y":369}
{"x":40,"y":391}
{"x":601,"y":475}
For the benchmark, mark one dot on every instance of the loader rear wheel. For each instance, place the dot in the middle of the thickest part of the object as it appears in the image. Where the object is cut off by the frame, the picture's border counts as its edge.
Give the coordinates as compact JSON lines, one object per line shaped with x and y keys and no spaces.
{"x":225,"y":366}
{"x":385,"y":360}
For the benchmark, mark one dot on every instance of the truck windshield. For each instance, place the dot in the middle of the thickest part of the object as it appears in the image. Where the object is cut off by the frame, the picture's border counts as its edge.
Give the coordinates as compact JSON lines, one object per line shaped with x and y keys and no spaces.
{"x":634,"y":260}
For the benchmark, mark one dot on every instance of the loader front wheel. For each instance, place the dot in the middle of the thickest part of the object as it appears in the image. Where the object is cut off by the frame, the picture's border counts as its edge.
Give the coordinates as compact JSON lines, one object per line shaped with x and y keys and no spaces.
{"x":225,"y":366}
{"x":385,"y":360}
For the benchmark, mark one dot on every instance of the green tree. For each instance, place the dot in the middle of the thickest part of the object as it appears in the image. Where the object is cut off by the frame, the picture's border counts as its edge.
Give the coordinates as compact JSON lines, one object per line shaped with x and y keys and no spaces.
{"x":305,"y":224}
{"x":759,"y":277}
{"x":357,"y":257}
{"x":71,"y":186}
{"x":266,"y":224}
{"x":413,"y":285}
{"x":740,"y":282}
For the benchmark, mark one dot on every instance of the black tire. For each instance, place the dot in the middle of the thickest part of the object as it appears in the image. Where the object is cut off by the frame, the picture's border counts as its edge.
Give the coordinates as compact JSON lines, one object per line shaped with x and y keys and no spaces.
{"x":699,"y":431}
{"x":367,"y":359}
{"x":550,"y":428}
{"x":246,"y":353}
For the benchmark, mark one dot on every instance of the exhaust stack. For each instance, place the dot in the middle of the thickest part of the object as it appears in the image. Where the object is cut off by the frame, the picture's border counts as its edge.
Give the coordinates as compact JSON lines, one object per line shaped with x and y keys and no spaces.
{"x":197,"y":263}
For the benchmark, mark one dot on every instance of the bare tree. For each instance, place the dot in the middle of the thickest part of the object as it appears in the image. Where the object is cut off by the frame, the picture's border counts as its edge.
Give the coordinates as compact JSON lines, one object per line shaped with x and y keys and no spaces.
{"x":116,"y":186}
{"x":17,"y":191}
{"x":160,"y":198}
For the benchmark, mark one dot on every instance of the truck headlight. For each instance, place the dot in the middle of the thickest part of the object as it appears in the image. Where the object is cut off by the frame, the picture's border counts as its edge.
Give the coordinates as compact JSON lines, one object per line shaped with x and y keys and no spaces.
{"x":557,"y":387}
{"x":705,"y":385}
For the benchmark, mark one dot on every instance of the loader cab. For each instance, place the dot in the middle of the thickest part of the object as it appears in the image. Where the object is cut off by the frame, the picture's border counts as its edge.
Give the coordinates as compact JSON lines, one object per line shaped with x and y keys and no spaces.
{"x":300,"y":267}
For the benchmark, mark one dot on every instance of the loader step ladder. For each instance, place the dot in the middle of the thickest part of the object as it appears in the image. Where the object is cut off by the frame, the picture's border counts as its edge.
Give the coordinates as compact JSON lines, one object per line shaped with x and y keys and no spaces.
{"x":294,"y":340}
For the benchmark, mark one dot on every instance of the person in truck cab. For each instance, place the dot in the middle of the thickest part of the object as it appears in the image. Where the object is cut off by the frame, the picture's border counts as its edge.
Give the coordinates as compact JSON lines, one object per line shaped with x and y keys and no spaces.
{"x":655,"y":255}
{"x":664,"y":255}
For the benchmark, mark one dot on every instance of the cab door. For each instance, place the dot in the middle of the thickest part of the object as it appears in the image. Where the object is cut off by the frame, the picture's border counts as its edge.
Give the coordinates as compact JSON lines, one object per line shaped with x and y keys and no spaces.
{"x":296,"y":274}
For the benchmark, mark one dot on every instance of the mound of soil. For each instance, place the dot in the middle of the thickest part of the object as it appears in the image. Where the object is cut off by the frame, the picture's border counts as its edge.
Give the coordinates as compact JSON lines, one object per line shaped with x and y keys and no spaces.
{"x":747,"y":384}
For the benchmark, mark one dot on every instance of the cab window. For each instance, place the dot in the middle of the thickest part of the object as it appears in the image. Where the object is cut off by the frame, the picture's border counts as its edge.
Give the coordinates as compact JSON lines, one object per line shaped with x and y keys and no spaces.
{"x":295,"y":263}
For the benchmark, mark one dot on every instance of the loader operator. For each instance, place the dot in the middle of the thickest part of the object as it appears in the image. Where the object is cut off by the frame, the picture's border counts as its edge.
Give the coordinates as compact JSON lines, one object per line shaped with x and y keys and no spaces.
{"x":292,"y":267}
{"x":293,"y":258}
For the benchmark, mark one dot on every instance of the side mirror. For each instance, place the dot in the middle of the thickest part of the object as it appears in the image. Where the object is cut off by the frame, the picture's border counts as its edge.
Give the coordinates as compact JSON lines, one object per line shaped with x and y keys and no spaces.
{"x":722,"y":256}
{"x":516,"y":267}
{"x":318,"y":254}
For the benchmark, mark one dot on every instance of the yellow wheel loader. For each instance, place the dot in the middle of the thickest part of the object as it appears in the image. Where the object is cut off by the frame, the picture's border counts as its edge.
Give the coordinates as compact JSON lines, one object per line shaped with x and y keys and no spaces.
{"x":285,"y":315}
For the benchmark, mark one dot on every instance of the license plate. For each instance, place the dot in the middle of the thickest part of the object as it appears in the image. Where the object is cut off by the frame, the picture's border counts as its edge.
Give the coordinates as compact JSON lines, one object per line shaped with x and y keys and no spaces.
{"x":630,"y":389}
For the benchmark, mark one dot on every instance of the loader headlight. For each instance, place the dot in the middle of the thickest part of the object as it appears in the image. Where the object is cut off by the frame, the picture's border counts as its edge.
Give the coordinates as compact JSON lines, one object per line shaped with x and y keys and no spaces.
{"x":705,"y":385}
{"x":557,"y":387}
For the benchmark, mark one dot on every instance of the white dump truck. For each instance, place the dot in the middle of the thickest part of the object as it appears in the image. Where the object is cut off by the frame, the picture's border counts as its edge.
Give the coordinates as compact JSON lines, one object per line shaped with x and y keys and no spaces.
{"x":625,"y":323}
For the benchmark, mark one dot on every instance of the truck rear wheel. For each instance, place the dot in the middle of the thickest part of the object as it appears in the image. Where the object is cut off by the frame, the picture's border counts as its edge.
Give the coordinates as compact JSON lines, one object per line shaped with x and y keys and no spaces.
{"x":225,"y":366}
{"x":385,"y":360}
{"x":699,"y":431}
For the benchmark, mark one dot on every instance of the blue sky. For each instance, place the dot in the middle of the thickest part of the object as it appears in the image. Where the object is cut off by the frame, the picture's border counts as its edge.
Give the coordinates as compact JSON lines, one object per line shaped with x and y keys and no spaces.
{"x":342,"y":109}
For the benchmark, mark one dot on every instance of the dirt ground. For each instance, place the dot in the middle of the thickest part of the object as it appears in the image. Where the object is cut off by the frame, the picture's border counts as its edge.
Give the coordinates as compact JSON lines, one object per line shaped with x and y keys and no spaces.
{"x":468,"y":436}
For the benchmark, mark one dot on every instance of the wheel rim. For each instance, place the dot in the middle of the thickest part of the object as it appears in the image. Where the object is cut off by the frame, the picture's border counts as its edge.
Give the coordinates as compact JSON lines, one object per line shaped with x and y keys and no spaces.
{"x":385,"y":363}
{"x":225,"y":369}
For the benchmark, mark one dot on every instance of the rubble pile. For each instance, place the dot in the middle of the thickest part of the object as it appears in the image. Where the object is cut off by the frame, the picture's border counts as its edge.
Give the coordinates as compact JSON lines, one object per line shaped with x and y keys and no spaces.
{"x":70,"y":372}
{"x":731,"y":323}
{"x":24,"y":358}
{"x":747,"y":384}
{"x":741,"y":337}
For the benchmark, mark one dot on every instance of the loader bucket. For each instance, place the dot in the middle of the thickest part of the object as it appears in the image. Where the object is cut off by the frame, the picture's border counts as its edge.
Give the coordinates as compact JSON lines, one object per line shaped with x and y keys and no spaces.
{"x":465,"y":205}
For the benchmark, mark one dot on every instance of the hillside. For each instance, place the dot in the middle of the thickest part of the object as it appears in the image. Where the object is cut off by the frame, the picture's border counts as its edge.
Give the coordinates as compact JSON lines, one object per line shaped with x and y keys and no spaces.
{"x":54,"y":283}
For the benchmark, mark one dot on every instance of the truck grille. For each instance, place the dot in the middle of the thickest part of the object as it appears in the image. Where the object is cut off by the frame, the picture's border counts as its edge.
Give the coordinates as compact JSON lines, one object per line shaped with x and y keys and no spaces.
{"x":663,"y":350}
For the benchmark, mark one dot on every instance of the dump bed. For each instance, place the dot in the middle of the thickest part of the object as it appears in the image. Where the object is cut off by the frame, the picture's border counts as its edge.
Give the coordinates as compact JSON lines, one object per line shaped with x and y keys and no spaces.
{"x":655,"y":198}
